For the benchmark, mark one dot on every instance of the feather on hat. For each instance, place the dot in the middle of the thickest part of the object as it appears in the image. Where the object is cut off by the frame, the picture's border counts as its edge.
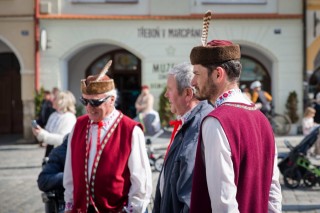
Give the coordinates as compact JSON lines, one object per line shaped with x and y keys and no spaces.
{"x":215,"y":51}
{"x":98,"y":84}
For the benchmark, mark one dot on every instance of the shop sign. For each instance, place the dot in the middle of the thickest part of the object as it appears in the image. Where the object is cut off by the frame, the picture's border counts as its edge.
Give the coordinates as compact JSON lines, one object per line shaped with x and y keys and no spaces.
{"x":158,"y":32}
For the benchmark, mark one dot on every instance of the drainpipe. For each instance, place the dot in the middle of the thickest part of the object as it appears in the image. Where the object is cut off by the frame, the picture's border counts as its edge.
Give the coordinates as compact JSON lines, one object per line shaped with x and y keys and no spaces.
{"x":304,"y":40}
{"x":305,"y":95}
{"x":37,"y":43}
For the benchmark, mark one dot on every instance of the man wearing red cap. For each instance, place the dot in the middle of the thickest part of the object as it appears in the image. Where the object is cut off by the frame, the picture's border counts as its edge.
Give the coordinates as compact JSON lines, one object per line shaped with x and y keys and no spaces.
{"x":107,"y":168}
{"x":148,"y":117}
{"x":144,"y":102}
{"x":236,"y":162}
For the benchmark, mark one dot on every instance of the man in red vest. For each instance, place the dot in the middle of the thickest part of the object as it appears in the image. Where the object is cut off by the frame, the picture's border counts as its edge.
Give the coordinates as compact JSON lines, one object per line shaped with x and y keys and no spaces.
{"x":107,"y":168}
{"x":236,"y":161}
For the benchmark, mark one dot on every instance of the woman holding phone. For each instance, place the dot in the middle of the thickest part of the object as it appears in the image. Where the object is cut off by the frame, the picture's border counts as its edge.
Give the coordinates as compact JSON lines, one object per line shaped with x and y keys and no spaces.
{"x":60,"y":122}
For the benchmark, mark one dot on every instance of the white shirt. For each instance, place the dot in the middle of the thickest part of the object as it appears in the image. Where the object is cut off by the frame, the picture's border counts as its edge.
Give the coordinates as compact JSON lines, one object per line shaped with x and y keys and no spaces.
{"x":221,"y":187}
{"x":59,"y":124}
{"x":138,"y":163}
{"x":308,"y":125}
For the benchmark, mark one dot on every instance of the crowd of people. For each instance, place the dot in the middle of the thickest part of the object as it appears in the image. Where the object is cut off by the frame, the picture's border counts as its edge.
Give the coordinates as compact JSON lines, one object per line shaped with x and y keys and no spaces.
{"x":215,"y":161}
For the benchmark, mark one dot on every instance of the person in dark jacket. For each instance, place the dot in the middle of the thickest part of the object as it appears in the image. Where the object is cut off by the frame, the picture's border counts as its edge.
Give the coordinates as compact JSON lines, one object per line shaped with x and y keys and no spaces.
{"x":51,"y":177}
{"x":46,"y":109}
{"x":173,"y":190}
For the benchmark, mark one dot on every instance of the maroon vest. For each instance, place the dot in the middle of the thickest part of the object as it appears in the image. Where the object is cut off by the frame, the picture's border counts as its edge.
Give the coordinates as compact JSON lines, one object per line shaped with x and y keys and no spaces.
{"x":112,"y":178}
{"x":252,"y":151}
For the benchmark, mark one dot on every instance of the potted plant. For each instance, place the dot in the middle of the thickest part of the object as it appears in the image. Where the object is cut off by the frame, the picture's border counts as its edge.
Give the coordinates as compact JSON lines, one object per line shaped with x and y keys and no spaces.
{"x":38,"y":98}
{"x":164,"y":110}
{"x":292,"y":110}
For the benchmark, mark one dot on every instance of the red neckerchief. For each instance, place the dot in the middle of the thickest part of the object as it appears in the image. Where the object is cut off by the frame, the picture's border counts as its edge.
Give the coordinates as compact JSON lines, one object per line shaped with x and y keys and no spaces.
{"x":175,"y":124}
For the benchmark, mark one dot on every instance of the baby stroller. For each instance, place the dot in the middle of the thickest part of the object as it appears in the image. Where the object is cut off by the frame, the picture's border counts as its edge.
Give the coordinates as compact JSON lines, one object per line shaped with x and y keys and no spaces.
{"x":297,"y":167}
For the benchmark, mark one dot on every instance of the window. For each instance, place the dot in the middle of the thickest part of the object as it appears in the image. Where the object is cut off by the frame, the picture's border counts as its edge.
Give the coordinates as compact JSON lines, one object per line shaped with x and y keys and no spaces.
{"x":125,"y":61}
{"x":234,"y":1}
{"x":104,"y":1}
{"x":98,"y":65}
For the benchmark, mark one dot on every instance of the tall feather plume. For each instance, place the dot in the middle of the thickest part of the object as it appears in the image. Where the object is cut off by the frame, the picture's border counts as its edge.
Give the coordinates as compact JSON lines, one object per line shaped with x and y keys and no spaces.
{"x":205,"y":28}
{"x":104,"y":70}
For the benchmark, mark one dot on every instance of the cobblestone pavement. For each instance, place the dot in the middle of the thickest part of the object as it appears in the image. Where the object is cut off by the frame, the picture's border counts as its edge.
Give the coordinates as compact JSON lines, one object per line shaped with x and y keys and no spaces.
{"x":20,"y":166}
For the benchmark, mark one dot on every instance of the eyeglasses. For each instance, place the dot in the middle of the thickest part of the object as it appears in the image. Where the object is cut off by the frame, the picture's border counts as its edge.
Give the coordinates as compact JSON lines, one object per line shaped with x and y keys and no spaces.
{"x":93,"y":102}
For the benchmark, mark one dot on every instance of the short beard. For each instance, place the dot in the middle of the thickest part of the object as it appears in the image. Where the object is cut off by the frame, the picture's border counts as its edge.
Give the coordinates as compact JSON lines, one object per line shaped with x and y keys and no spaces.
{"x":208,"y":91}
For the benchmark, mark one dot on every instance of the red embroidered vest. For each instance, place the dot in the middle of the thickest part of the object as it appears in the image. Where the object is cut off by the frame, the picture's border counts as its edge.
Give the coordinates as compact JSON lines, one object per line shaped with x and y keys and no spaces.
{"x":112,"y":177}
{"x":252,"y":156}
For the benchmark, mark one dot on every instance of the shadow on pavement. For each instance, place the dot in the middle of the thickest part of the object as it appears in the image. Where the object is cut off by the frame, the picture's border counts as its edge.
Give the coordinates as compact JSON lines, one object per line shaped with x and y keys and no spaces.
{"x":14,"y":139}
{"x":300,"y":207}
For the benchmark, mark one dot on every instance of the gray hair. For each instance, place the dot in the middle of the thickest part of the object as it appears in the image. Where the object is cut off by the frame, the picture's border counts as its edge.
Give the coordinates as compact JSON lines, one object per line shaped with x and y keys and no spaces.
{"x":183,"y":74}
{"x":112,"y":93}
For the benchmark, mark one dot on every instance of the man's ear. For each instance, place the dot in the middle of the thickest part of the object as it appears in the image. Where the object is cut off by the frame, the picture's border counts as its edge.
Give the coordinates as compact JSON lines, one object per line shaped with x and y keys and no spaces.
{"x":219,"y":73}
{"x":113,"y":99}
{"x":189,"y":93}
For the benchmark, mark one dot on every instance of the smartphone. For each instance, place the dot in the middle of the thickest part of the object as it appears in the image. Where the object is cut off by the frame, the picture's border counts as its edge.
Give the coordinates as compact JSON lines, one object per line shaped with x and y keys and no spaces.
{"x":34,"y":124}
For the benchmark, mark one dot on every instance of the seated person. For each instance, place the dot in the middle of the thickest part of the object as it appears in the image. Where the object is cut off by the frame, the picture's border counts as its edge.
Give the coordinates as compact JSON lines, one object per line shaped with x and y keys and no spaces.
{"x":308,"y":125}
{"x":50,"y":178}
{"x":150,"y":122}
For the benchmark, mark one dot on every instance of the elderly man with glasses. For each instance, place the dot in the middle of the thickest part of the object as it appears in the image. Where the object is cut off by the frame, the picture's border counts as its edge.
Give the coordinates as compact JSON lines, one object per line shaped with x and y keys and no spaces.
{"x":107,"y":168}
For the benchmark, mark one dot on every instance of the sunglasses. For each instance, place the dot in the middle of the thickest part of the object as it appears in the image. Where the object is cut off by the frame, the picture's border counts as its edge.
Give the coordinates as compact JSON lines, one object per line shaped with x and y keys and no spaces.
{"x":93,"y":102}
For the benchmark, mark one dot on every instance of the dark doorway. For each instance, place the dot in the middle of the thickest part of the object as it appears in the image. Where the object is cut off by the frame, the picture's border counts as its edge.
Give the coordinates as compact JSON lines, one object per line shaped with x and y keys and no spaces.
{"x":126,"y":72}
{"x":253,"y":70}
{"x":10,"y":95}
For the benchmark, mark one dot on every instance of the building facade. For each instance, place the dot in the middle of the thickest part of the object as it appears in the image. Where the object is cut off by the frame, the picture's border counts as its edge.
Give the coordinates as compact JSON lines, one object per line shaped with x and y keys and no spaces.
{"x":17,"y":65}
{"x":146,"y":38}
{"x":313,"y":47}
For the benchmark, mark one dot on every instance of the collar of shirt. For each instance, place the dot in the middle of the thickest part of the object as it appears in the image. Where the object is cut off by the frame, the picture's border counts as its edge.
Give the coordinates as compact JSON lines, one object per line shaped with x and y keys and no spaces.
{"x":233,"y":95}
{"x":109,"y":119}
{"x":184,"y":117}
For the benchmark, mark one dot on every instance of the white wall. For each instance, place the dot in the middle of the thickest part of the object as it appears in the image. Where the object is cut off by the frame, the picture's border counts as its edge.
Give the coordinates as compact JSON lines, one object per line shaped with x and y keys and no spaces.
{"x":68,"y":36}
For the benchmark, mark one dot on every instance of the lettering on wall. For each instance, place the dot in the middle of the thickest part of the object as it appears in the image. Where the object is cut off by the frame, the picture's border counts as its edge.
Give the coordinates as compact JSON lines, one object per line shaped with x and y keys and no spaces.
{"x":158,"y":85}
{"x":157,"y":32}
{"x":161,"y":70}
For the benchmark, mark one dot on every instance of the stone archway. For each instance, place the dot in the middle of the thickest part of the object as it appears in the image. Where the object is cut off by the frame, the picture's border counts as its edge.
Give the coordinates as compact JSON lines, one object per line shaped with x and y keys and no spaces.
{"x":126,"y":72}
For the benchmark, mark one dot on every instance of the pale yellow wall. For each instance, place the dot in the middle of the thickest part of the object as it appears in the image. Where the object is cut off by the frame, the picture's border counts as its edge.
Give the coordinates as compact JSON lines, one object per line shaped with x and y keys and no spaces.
{"x":312,"y":52}
{"x":22,"y":45}
{"x":313,"y":43}
{"x":17,"y":32}
{"x":313,"y":4}
{"x":16,"y":7}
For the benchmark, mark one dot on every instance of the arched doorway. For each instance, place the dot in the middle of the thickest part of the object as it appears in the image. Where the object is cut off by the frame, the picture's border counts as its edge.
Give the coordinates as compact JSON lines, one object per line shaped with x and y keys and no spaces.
{"x":10,"y":94}
{"x":253,"y":70}
{"x":126,"y":72}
